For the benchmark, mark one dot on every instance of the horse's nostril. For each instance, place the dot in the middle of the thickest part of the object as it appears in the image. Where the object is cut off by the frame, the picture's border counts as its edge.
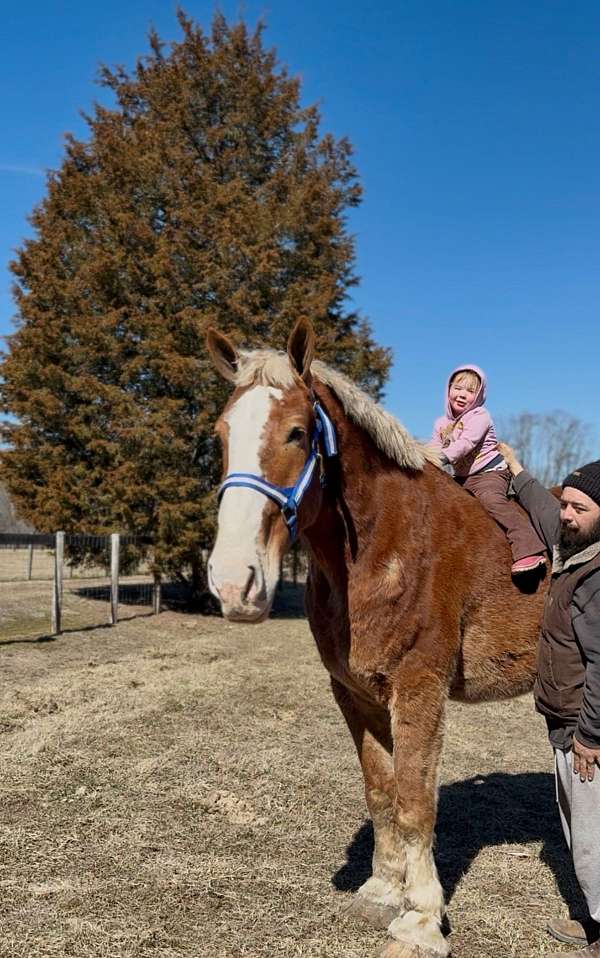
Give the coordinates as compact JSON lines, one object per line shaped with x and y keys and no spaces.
{"x":249,"y":582}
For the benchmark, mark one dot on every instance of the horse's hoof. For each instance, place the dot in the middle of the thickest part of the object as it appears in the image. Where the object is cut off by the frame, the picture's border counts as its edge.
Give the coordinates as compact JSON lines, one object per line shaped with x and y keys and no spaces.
{"x":398,"y":949}
{"x":402,"y":949}
{"x":363,"y":909}
{"x":420,"y":933}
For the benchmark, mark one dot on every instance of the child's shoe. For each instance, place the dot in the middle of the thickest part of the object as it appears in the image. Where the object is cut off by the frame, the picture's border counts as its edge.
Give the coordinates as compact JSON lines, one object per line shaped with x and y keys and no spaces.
{"x":527,"y":564}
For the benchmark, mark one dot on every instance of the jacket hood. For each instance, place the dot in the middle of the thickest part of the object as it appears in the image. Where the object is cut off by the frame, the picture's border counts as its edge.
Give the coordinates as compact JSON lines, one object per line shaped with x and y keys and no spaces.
{"x":479,"y":398}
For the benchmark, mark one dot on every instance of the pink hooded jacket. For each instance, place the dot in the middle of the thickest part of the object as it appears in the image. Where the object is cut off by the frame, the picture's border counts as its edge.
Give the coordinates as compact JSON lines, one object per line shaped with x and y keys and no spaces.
{"x":473,"y":443}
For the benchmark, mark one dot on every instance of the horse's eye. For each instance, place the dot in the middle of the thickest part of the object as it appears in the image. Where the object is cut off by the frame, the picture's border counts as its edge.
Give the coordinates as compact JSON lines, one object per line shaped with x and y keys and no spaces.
{"x":296,"y":435}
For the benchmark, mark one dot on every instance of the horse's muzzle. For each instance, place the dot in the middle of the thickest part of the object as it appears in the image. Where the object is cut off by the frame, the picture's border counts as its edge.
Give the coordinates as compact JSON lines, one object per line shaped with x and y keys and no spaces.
{"x":247,"y":602}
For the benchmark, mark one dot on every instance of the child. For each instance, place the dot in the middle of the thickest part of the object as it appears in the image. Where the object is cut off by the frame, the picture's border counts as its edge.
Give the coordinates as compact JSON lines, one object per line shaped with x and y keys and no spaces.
{"x":465,"y":438}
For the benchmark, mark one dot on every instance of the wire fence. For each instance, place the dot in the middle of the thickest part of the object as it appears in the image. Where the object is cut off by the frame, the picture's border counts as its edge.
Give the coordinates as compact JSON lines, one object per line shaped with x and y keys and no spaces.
{"x":53,"y":583}
{"x":58,"y":582}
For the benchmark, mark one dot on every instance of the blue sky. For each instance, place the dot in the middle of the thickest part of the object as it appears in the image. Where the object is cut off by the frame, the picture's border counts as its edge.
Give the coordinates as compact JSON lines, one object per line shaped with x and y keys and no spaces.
{"x":476,"y":127}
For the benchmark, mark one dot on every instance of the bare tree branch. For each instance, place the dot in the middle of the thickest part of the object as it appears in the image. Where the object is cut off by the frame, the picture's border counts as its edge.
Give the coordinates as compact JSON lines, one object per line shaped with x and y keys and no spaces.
{"x":549,"y":444}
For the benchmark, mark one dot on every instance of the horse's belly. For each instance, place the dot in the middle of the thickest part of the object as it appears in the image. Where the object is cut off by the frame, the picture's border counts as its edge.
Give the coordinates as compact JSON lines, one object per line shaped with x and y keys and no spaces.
{"x":493,"y":665}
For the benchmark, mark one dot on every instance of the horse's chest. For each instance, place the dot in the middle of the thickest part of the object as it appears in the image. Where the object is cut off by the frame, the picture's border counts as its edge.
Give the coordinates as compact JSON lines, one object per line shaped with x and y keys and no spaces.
{"x":353,"y":659}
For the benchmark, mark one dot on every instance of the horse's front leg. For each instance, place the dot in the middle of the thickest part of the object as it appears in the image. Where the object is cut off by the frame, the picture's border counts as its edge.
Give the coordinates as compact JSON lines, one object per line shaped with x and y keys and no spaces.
{"x":417,"y":713}
{"x":379,"y":900}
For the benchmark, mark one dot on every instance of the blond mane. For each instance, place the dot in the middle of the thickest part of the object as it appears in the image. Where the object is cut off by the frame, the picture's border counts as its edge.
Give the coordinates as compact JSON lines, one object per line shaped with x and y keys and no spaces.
{"x":267,"y":367}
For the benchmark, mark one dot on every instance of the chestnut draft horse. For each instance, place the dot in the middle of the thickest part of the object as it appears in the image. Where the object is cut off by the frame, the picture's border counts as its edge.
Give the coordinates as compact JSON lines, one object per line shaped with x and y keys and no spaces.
{"x":409,"y":594}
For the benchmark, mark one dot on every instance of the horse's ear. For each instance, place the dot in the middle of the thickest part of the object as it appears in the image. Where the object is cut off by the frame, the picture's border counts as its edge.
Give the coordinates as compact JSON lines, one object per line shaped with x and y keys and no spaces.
{"x":301,"y":349}
{"x":223,"y":353}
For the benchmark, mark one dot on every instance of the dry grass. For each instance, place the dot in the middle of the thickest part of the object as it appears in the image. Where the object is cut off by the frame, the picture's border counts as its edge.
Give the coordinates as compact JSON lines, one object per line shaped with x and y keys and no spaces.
{"x":179,"y":786}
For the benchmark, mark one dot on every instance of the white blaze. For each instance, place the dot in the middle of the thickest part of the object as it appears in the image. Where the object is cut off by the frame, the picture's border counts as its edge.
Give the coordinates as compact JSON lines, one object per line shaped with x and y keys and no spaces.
{"x":238,"y":549}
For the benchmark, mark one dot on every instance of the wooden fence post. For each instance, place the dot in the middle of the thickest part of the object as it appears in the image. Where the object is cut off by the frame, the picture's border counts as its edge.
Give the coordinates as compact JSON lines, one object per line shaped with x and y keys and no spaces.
{"x":156,"y":594}
{"x":114,"y":577}
{"x":29,"y":560}
{"x":57,"y":589}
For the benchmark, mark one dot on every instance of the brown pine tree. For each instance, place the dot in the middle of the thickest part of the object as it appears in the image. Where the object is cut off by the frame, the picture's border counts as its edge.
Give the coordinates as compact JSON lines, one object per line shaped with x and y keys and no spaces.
{"x":206,"y":195}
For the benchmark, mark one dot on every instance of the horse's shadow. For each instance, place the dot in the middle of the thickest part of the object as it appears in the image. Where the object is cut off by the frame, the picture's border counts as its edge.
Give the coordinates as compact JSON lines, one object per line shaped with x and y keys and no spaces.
{"x":494,"y":809}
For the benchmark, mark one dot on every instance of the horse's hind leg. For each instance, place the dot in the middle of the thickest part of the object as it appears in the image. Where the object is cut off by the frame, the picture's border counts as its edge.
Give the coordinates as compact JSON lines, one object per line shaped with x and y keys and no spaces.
{"x":379,"y":900}
{"x":417,"y":710}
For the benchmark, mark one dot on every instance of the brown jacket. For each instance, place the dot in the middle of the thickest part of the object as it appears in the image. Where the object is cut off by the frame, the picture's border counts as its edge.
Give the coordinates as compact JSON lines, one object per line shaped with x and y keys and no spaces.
{"x":567,"y":688}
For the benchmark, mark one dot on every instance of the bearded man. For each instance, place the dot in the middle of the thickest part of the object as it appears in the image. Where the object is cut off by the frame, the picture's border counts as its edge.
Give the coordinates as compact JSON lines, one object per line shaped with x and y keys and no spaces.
{"x":567,"y":687}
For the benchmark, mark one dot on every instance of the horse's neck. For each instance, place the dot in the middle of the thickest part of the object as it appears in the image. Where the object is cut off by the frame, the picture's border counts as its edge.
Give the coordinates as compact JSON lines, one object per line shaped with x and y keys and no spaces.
{"x":377,"y":517}
{"x":363,"y":485}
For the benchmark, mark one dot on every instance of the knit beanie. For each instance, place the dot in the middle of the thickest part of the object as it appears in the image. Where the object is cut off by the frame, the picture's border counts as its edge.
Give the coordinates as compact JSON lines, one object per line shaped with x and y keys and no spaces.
{"x":586,"y":479}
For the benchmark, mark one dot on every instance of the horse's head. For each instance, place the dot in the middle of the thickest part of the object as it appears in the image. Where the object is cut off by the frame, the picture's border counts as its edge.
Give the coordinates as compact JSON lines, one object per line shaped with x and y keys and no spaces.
{"x":267,"y":432}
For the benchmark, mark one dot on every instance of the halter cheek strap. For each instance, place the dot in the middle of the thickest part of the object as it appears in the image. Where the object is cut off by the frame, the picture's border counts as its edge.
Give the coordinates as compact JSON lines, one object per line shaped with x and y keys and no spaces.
{"x":288,"y":498}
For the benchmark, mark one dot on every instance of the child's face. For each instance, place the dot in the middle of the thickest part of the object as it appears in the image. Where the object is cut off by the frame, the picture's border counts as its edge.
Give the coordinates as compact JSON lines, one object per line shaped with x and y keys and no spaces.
{"x":462,"y":393}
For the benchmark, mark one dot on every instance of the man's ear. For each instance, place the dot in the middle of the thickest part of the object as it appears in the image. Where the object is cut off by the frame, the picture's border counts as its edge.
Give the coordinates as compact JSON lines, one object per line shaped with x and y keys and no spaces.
{"x":301,"y":349}
{"x":223,"y":353}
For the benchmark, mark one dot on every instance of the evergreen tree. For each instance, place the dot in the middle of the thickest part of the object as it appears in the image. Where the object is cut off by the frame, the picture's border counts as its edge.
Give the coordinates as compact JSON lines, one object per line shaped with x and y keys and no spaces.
{"x":205,"y":195}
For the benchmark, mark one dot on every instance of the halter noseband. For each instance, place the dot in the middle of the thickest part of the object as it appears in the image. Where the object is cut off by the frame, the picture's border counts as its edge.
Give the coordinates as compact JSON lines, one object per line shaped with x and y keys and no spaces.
{"x":288,"y":498}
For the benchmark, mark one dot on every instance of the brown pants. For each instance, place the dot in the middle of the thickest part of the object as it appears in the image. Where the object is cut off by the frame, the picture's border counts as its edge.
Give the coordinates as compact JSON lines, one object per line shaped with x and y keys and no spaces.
{"x":491,"y":489}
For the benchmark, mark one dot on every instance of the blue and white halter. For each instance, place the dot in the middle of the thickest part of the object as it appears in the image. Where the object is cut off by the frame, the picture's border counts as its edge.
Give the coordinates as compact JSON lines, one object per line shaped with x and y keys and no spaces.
{"x":288,"y":498}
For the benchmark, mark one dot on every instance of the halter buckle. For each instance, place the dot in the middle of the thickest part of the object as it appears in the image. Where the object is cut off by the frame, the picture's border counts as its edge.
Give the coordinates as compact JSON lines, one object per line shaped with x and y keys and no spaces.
{"x":290,"y":517}
{"x":321,"y":465}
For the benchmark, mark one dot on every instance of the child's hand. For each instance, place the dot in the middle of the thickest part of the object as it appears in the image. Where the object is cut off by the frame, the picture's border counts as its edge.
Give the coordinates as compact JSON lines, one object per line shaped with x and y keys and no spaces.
{"x":511,"y":460}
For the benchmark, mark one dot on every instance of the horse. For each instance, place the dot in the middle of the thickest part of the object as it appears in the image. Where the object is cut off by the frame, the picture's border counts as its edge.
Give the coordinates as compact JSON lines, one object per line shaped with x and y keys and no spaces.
{"x":409,"y":595}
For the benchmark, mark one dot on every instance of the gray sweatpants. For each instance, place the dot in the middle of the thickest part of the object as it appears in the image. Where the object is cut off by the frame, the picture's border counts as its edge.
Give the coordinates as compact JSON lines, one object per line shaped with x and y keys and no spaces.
{"x":579,"y":806}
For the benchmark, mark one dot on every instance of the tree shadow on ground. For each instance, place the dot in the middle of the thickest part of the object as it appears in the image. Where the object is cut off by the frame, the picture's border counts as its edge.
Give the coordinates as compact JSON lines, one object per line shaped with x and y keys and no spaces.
{"x":179,"y":597}
{"x":289,"y":602}
{"x":134,"y":593}
{"x":496,"y":809}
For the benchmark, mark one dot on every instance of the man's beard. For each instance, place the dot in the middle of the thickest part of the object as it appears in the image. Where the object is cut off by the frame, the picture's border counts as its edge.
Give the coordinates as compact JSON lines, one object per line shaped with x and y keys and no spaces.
{"x":572,"y":541}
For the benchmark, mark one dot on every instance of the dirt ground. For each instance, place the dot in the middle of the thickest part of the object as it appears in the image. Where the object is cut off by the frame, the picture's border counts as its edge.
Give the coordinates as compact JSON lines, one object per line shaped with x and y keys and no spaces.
{"x":180,"y":786}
